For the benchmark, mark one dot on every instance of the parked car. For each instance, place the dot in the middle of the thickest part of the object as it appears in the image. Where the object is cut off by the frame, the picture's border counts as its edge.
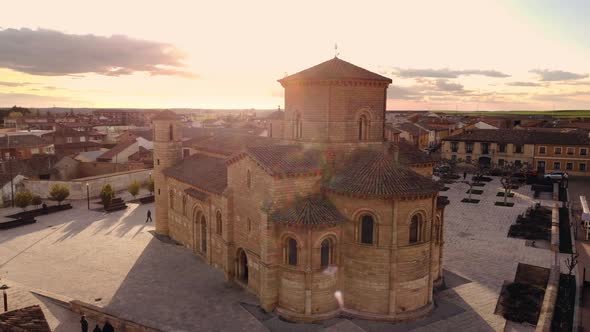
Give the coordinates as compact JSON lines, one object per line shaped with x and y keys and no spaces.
{"x":555,"y":175}
{"x":441,"y":169}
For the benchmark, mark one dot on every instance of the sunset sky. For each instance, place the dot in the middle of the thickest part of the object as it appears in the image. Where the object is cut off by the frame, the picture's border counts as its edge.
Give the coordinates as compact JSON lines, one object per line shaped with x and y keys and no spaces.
{"x":466,"y":55}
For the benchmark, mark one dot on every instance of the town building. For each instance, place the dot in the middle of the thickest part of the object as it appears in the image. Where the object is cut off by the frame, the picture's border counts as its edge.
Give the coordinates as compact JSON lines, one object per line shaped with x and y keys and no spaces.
{"x":23,"y":146}
{"x":543,"y":150}
{"x":321,"y":218}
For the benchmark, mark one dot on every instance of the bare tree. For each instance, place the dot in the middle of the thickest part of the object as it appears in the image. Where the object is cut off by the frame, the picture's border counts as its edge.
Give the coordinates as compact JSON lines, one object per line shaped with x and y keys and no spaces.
{"x":572,"y":262}
{"x":507,"y":185}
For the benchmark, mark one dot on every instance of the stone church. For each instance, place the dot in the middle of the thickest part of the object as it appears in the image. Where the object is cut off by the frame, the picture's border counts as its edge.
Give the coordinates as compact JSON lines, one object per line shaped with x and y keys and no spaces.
{"x":321,"y":218}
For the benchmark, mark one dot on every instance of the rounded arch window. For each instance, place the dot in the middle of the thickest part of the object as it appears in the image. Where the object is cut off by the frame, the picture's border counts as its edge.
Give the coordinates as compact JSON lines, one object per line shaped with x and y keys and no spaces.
{"x":218,"y":220}
{"x":363,"y":127}
{"x":416,"y":229}
{"x":367,"y":229}
{"x":171,"y":200}
{"x":326,"y":253}
{"x":291,"y":251}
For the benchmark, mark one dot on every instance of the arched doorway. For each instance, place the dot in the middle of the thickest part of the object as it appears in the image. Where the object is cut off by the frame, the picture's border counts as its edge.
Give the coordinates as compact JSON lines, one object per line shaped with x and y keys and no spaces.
{"x":203,"y":234}
{"x":242,"y":266}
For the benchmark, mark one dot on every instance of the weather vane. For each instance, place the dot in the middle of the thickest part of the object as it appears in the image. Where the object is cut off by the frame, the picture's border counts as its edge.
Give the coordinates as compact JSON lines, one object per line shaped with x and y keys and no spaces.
{"x":336,"y":50}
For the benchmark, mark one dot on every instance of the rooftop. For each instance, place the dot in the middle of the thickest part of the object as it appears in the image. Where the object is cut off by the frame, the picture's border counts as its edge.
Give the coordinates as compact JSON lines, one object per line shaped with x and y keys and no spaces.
{"x":117,"y":149}
{"x":29,"y":319}
{"x":202,"y":171}
{"x":335,"y":69}
{"x":21,"y":141}
{"x":310,"y":210}
{"x":521,"y":136}
{"x":288,"y":159}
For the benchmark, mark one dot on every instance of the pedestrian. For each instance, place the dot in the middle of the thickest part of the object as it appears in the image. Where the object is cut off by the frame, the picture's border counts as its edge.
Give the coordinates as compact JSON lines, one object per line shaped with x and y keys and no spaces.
{"x":108,"y":327}
{"x":97,"y":329}
{"x":149,"y":216}
{"x":44,"y":206}
{"x":84,"y":323}
{"x":464,"y":175}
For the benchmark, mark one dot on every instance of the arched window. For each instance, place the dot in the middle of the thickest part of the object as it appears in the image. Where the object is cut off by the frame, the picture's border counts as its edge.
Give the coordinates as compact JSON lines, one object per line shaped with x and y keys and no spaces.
{"x":363,"y":128}
{"x":297,"y":127}
{"x":171,"y":132}
{"x":326,"y":253}
{"x":248,"y":224}
{"x":291,"y":251}
{"x":367,"y":229}
{"x":184,"y":205}
{"x":248,"y":179}
{"x":171,"y":200}
{"x":416,"y":229}
{"x":218,"y":223}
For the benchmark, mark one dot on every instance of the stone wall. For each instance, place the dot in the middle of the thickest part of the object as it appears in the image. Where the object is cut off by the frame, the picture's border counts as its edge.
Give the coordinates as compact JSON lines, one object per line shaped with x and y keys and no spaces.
{"x":119,"y":181}
{"x":548,"y":306}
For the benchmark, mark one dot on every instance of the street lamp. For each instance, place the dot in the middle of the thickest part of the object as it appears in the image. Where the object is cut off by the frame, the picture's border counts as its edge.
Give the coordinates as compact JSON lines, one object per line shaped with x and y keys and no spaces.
{"x":4,"y":288}
{"x":88,"y":194}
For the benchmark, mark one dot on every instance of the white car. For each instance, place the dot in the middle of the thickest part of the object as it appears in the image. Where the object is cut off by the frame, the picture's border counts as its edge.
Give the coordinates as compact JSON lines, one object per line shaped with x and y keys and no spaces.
{"x":555,"y":175}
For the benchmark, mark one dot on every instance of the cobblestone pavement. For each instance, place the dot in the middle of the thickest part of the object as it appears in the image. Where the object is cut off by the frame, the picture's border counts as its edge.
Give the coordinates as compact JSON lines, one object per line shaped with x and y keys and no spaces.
{"x":111,"y":260}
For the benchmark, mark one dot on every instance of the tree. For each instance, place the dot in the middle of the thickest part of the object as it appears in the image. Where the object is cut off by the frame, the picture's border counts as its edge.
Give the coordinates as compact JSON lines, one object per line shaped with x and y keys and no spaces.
{"x":106,"y":194}
{"x":572,"y":262}
{"x":133,"y":188}
{"x":150,"y":186}
{"x":507,"y":185}
{"x":36,"y":200}
{"x":470,"y":183}
{"x":23,"y":199}
{"x":15,"y":115}
{"x":59,"y":193}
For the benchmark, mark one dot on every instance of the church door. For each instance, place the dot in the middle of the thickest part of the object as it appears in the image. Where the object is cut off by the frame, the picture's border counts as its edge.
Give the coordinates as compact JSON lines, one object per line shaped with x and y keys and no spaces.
{"x":243,"y":266}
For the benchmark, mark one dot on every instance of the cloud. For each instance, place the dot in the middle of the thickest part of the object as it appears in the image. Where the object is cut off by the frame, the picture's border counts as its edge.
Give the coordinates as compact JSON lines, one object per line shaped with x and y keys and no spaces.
{"x":523,"y":84}
{"x":557,"y":75}
{"x":14,"y":84}
{"x":445,"y":85}
{"x":53,"y":53}
{"x":446,"y":73}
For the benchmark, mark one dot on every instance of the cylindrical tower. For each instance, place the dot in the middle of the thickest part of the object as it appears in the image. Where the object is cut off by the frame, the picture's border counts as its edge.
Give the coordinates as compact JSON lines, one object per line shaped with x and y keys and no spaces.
{"x":167,"y":153}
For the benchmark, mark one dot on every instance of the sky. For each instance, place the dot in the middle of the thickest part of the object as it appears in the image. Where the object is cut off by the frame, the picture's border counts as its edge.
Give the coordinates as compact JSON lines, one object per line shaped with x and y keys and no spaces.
{"x":463,"y":55}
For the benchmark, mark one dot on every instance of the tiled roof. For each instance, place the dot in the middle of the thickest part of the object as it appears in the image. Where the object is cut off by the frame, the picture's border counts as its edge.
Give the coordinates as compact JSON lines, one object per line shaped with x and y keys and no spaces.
{"x":310,"y":210}
{"x":409,"y":154}
{"x":166,"y":115}
{"x":288,"y":159}
{"x":377,"y":174}
{"x":116,"y":150}
{"x":521,"y":136}
{"x":21,"y":141}
{"x":411,"y":128}
{"x":201,"y":196}
{"x":335,"y":69}
{"x":30,"y":319}
{"x":228,"y":144}
{"x":202,"y":171}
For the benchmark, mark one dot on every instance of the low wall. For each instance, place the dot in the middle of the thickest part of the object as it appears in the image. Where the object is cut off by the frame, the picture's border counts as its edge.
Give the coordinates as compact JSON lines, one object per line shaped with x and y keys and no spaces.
{"x":87,"y":169}
{"x":119,"y":181}
{"x":96,"y":314}
{"x":555,"y":228}
{"x":548,"y":306}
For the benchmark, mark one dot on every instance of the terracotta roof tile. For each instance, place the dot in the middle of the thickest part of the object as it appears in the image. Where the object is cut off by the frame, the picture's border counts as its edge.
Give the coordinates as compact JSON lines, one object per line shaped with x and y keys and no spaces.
{"x":410,"y":155}
{"x":202,"y":171}
{"x":377,"y":174}
{"x":201,"y":196}
{"x":521,"y":136}
{"x":310,"y":210}
{"x":229,"y":144}
{"x":335,"y":69}
{"x":110,"y":154}
{"x":288,"y":159}
{"x":30,"y":319}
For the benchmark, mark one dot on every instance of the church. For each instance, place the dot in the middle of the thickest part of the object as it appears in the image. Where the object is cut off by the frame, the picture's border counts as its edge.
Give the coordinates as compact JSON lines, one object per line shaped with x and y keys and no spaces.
{"x":321,"y":218}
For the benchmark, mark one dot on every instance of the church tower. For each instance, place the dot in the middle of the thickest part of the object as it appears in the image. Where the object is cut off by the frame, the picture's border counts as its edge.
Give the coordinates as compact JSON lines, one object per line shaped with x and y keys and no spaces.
{"x":335,"y":102}
{"x":167,"y":153}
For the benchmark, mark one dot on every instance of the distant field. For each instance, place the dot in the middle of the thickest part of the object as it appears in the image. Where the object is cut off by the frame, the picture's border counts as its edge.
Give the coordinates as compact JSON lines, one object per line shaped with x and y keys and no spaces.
{"x":559,"y":114}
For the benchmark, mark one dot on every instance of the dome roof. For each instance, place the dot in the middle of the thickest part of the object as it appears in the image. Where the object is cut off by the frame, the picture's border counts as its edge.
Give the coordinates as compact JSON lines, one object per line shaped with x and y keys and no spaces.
{"x":378,"y":174}
{"x":165,"y":115}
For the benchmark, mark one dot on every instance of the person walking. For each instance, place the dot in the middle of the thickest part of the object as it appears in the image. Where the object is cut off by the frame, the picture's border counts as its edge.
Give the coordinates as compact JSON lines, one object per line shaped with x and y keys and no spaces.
{"x":149,"y":216}
{"x":84,"y":323}
{"x":464,"y":175}
{"x":97,"y":329}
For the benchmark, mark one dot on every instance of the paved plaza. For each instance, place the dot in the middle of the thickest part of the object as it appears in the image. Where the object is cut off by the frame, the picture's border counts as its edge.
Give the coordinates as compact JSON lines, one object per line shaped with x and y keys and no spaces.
{"x":114,"y":261}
